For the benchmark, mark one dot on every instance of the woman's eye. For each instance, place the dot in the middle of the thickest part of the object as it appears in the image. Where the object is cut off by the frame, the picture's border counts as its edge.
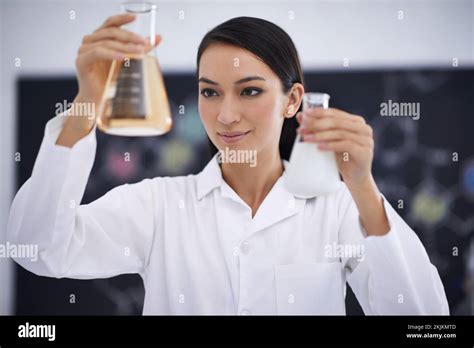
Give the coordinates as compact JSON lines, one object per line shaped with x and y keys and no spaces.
{"x":251,"y":91}
{"x":208,"y":92}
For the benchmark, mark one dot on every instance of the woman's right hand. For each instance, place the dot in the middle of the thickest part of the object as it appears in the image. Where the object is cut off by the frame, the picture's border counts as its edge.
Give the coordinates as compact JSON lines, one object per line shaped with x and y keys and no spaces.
{"x":109,"y":42}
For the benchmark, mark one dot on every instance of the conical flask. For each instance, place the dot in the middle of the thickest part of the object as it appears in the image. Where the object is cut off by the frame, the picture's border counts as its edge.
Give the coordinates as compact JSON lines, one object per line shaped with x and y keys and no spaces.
{"x":135,"y":102}
{"x":312,"y":172}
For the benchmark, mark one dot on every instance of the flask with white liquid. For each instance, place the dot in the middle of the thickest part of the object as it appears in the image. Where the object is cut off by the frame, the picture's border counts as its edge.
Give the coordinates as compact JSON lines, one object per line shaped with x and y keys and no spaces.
{"x":311,"y":171}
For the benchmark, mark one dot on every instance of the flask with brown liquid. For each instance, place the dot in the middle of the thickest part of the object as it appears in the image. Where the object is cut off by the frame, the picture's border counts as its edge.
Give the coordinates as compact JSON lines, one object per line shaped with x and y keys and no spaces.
{"x":135,"y":102}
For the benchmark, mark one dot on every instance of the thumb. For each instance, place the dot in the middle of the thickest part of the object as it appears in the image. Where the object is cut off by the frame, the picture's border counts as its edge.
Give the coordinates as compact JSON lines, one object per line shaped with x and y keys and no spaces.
{"x":299,"y":117}
{"x":148,"y":46}
{"x":158,"y":39}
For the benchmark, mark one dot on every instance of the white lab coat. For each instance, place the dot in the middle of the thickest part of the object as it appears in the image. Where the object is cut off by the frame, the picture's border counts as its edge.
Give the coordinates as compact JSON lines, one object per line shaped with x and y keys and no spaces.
{"x":199,"y":251}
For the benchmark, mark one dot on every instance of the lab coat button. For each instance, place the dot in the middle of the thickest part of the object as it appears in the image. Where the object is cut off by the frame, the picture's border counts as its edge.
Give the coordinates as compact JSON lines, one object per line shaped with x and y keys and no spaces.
{"x":245,"y":247}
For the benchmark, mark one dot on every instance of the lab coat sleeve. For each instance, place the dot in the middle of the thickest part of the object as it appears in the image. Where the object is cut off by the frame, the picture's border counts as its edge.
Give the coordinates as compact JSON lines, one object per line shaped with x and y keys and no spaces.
{"x":394,"y":275}
{"x":110,"y":236}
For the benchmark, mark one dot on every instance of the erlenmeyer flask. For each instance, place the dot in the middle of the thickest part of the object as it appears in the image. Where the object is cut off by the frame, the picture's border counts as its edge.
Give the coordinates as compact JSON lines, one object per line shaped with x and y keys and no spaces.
{"x":312,"y":172}
{"x":135,"y":102}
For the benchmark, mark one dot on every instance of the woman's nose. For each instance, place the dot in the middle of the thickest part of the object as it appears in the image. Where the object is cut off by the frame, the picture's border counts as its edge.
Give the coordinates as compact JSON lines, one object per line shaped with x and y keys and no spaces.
{"x":228,"y":113}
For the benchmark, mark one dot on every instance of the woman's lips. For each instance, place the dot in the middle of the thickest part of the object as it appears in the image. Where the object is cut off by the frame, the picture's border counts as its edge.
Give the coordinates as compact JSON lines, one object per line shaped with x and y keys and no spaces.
{"x":233,"y":137}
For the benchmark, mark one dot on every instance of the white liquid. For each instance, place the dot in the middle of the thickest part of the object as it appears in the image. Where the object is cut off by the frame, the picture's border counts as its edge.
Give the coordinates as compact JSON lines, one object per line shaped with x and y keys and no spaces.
{"x":311,"y":172}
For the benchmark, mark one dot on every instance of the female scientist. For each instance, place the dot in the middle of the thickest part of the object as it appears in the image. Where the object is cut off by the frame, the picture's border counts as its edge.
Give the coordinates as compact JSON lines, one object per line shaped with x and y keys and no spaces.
{"x":231,"y":239}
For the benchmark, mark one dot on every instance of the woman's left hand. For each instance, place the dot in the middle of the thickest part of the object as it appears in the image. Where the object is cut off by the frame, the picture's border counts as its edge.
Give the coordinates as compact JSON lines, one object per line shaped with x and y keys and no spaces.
{"x":349,"y":136}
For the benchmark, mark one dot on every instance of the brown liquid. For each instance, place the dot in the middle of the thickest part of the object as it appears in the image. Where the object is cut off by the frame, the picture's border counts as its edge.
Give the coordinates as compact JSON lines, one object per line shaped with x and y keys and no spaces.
{"x":135,"y":102}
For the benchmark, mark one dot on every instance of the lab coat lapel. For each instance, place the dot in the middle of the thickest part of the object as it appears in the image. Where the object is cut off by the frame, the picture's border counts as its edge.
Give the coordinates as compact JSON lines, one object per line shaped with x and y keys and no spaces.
{"x":278,"y":205}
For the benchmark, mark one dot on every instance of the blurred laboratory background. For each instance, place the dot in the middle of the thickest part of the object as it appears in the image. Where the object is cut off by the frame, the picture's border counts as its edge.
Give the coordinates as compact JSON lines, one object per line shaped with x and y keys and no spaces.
{"x":363,"y":53}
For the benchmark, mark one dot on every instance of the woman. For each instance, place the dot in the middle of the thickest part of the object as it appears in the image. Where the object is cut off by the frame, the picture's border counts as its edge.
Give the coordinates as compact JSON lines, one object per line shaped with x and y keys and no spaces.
{"x":231,"y":239}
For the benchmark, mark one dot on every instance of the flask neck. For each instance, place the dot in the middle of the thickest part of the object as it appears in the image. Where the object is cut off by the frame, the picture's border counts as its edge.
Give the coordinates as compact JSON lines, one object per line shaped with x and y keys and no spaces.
{"x":145,"y":19}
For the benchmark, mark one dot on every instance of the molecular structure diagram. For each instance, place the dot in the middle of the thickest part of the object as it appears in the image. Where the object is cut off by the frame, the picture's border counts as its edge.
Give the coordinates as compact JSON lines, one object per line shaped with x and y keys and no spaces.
{"x":430,"y":206}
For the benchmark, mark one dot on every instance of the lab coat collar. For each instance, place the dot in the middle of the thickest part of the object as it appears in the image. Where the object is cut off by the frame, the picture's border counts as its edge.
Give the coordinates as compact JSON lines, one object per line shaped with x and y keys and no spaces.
{"x":209,"y":178}
{"x":278,"y":205}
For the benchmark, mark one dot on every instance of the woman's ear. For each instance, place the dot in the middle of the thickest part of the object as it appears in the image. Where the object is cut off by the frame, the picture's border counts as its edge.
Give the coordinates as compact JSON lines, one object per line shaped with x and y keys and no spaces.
{"x":295,"y":97}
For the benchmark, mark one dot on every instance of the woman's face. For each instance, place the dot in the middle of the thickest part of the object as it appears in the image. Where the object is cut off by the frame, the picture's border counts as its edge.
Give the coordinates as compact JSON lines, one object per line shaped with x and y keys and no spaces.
{"x":241,"y":101}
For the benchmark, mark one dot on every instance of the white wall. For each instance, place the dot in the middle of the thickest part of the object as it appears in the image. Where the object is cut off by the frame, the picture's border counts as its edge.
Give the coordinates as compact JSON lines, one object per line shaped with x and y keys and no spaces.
{"x":368,"y":33}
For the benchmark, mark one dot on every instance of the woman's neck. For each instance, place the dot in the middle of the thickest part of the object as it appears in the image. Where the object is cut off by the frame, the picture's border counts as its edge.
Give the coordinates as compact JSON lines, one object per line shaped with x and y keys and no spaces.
{"x":253,"y":183}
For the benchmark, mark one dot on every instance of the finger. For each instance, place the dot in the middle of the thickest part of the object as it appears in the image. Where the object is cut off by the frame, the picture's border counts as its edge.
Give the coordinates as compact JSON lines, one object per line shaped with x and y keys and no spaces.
{"x":100,"y":53}
{"x":117,"y":20}
{"x":333,"y":112}
{"x":327,"y":123}
{"x":113,"y":34}
{"x":336,"y":135}
{"x":340,"y":146}
{"x":114,"y":45}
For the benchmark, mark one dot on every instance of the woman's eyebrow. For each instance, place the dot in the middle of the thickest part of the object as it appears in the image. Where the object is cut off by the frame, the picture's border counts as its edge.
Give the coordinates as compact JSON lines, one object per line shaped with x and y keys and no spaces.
{"x":238,"y":82}
{"x":249,"y":78}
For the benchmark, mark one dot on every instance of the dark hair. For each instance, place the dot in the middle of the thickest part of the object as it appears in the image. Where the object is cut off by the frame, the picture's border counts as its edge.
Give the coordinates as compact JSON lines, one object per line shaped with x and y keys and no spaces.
{"x":274,"y":47}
